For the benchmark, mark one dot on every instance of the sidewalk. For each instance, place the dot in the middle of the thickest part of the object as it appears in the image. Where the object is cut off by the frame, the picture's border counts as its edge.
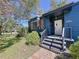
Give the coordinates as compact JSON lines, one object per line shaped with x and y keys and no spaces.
{"x":43,"y":54}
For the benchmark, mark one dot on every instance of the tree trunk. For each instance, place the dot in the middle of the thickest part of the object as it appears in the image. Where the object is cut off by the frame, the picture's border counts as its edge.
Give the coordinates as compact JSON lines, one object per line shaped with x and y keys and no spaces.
{"x":0,"y":29}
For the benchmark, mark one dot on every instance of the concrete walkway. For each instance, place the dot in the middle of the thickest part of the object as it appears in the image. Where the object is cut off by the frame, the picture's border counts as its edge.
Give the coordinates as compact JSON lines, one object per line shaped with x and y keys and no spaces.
{"x":43,"y":54}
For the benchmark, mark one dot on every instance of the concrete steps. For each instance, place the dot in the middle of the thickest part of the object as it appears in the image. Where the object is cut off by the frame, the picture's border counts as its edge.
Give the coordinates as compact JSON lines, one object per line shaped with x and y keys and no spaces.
{"x":52,"y":44}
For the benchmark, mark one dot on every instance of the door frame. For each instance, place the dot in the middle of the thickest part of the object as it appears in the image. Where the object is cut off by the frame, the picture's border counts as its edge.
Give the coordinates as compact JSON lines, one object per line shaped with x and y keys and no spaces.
{"x":59,"y":18}
{"x":59,"y":27}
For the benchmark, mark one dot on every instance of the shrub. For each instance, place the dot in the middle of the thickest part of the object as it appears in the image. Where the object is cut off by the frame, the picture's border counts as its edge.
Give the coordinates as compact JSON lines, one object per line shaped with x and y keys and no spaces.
{"x":63,"y":56}
{"x":8,"y":43}
{"x":32,"y":38}
{"x":21,"y":32}
{"x":74,"y":49}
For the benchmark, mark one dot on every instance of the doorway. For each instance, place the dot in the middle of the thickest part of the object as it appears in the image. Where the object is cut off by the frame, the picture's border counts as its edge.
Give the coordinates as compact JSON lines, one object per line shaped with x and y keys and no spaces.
{"x":58,"y":25}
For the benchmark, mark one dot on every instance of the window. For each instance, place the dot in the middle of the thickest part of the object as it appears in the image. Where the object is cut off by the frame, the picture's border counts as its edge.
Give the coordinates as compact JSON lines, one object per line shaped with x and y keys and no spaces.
{"x":38,"y":23}
{"x":41,"y":24}
{"x":31,"y":25}
{"x":34,"y":25}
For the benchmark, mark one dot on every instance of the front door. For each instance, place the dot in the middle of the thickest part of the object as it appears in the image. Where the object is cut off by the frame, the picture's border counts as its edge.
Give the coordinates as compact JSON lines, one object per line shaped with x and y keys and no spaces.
{"x":58,"y":27}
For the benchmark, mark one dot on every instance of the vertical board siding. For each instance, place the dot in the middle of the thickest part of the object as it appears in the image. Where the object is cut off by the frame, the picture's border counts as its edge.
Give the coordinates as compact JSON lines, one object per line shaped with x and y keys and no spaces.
{"x":38,"y":23}
{"x":42,"y":24}
{"x":72,"y":20}
{"x":31,"y":26}
{"x":47,"y":25}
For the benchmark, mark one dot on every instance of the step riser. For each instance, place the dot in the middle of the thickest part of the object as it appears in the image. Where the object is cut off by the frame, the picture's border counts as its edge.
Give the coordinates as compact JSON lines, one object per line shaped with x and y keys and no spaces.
{"x":56,"y":42}
{"x":51,"y":49}
{"x":53,"y":44}
{"x":55,"y":39}
{"x":45,"y":46}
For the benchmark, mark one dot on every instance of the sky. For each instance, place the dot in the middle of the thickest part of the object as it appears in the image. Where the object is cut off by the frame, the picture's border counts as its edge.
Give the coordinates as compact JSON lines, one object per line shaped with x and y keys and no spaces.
{"x":45,"y":5}
{"x":24,"y":23}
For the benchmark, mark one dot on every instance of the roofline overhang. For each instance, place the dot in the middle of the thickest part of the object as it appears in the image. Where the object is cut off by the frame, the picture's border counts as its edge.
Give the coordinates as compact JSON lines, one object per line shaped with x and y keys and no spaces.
{"x":61,"y":9}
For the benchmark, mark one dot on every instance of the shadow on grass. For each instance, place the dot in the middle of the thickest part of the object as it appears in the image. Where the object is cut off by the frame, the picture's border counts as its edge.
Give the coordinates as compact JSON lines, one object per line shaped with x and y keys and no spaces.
{"x":64,"y":56}
{"x":8,"y":43}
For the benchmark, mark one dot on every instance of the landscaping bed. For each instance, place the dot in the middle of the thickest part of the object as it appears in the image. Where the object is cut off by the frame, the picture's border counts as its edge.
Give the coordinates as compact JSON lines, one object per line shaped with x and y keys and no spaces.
{"x":19,"y":51}
{"x":7,"y":40}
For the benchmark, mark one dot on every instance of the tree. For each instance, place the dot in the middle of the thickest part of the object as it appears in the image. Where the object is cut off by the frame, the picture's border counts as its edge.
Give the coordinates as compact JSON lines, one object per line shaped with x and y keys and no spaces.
{"x":10,"y":25}
{"x":26,"y":8}
{"x":6,"y":10}
{"x":63,"y":3}
{"x":55,"y":4}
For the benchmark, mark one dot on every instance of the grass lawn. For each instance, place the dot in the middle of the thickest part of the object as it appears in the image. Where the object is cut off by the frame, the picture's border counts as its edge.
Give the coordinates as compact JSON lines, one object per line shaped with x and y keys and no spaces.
{"x":19,"y":51}
{"x":7,"y":41}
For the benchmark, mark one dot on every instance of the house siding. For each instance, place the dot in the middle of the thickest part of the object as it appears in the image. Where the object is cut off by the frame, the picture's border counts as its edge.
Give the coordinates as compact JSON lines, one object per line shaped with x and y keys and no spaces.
{"x":73,"y":18}
{"x":36,"y":25}
{"x":47,"y":25}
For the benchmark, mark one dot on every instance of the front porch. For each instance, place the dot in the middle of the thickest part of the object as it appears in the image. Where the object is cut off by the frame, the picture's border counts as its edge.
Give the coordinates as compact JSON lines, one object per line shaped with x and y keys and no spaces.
{"x":56,"y":37}
{"x":57,"y":44}
{"x":55,"y":26}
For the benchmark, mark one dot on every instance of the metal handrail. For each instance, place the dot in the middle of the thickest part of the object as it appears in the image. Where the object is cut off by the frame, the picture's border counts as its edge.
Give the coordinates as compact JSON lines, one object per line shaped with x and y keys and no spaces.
{"x":63,"y":36}
{"x":43,"y":34}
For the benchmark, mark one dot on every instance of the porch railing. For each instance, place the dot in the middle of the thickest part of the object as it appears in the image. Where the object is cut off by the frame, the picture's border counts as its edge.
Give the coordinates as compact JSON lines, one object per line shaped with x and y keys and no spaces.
{"x":63,"y":36}
{"x":66,"y":31}
{"x":43,"y":34}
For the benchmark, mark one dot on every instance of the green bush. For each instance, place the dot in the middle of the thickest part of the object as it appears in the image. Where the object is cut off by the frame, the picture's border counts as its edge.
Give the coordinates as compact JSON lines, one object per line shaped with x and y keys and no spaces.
{"x":21,"y":32}
{"x":63,"y":56}
{"x":74,"y":49}
{"x":7,"y":43}
{"x":32,"y":38}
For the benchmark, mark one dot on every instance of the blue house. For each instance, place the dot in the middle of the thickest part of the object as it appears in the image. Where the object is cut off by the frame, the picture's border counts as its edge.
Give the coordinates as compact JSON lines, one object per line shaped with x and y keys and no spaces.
{"x":58,"y":28}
